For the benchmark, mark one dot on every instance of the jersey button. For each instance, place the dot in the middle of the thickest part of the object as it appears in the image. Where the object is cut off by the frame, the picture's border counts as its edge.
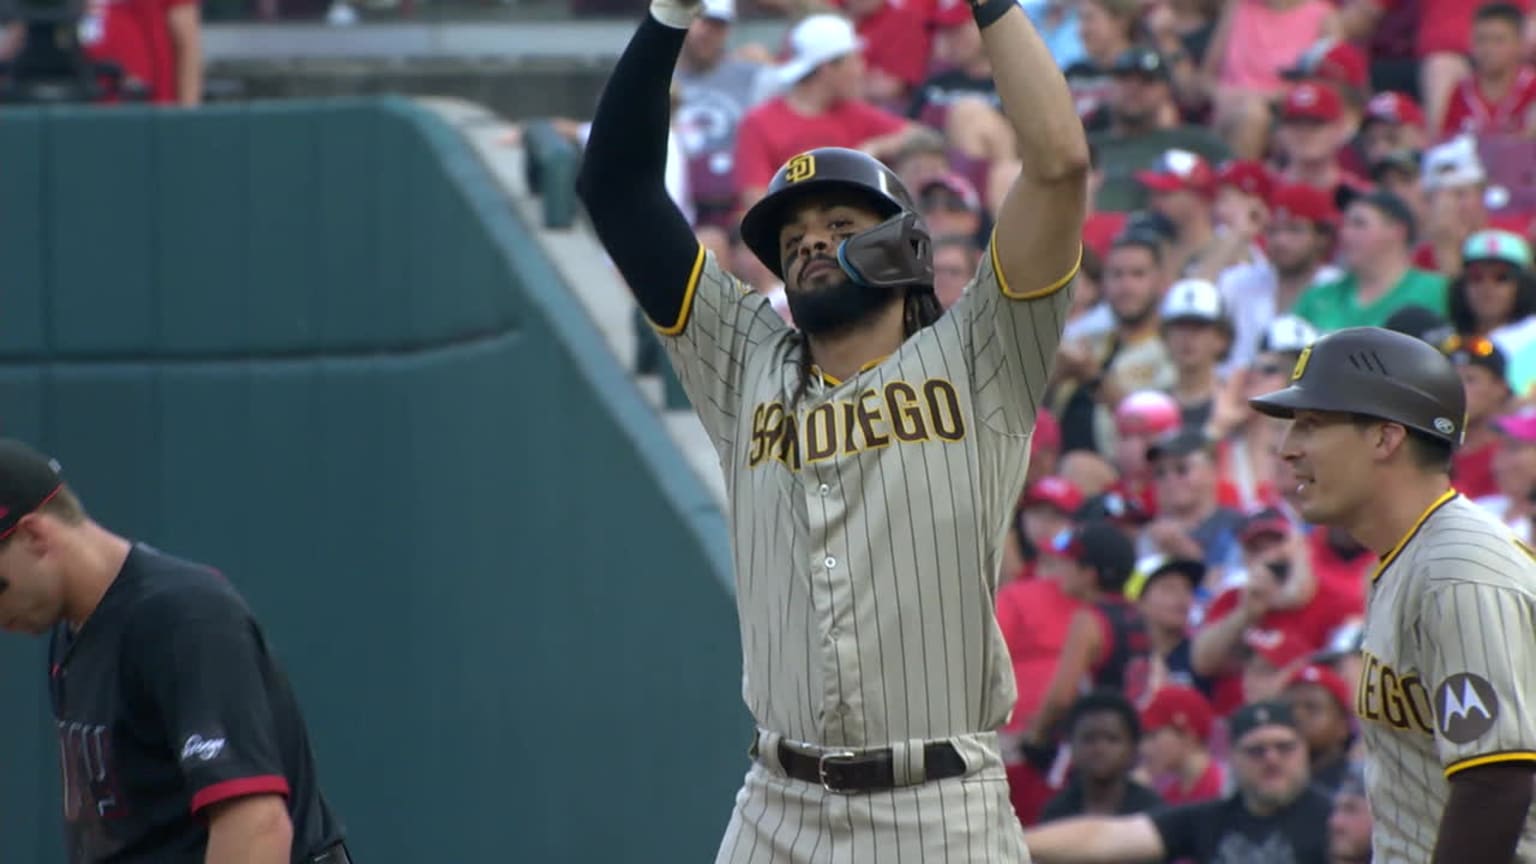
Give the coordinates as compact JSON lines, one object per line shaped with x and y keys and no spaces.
{"x":830,"y":562}
{"x":825,"y":489}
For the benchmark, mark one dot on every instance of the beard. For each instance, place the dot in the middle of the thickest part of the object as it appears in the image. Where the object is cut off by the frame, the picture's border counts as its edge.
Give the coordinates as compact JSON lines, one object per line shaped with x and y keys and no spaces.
{"x":836,"y":306}
{"x":1135,"y":317}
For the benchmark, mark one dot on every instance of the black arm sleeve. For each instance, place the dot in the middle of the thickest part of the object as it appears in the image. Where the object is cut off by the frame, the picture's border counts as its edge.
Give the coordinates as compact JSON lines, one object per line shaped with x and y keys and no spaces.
{"x":623,"y":175}
{"x":1485,"y":814}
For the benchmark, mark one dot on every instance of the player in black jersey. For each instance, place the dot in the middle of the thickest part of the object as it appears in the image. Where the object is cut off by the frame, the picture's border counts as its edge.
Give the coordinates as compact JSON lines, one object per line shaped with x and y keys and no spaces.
{"x":181,"y":740}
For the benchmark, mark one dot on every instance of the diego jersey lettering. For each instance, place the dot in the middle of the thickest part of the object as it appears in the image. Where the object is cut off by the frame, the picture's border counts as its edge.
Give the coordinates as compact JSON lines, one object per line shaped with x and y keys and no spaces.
{"x":868,"y":515}
{"x":166,"y":702}
{"x":1449,"y":677}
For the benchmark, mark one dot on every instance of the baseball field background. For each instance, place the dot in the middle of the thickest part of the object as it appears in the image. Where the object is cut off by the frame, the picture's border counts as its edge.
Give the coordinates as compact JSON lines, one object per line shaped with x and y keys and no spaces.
{"x":310,"y":345}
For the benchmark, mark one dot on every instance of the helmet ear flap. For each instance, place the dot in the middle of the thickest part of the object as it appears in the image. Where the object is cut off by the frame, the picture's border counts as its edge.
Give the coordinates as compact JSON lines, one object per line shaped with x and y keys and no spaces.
{"x":896,"y":253}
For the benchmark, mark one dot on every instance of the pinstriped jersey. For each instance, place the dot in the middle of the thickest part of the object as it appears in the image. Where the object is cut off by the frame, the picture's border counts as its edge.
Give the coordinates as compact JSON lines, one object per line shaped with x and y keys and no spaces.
{"x":867,"y":516}
{"x":1449,"y":674}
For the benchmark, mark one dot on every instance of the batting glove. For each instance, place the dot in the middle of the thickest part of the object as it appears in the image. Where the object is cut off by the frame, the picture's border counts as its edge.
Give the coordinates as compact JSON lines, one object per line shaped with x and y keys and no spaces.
{"x":675,"y":13}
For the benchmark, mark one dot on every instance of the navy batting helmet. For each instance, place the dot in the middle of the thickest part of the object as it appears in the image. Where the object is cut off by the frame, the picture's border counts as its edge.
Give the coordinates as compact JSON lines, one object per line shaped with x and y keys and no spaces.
{"x":897,"y":252}
{"x":1378,"y":373}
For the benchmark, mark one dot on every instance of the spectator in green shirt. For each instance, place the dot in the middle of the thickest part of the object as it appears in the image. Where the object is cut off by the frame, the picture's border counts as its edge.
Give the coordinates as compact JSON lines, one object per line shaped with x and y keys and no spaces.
{"x":1376,"y":248}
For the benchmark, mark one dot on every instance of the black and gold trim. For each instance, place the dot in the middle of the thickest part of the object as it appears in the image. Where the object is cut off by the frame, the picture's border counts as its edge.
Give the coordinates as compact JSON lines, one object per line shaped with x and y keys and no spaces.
{"x":1386,"y":561}
{"x":687,"y":304}
{"x":1002,"y":281}
{"x":1490,"y":759}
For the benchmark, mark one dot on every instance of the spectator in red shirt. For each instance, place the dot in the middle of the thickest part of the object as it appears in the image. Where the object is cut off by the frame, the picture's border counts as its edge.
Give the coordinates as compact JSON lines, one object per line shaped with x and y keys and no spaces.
{"x":157,"y":43}
{"x":1320,"y":701}
{"x":1033,"y":616}
{"x":896,"y":48}
{"x":1499,"y":97}
{"x":1106,"y":645}
{"x":1484,"y":371}
{"x":1443,"y":39}
{"x":822,"y":108}
{"x":1277,"y":592}
{"x":1312,"y":129}
{"x":1393,"y":123}
{"x":1341,"y":567}
{"x":1176,"y":729}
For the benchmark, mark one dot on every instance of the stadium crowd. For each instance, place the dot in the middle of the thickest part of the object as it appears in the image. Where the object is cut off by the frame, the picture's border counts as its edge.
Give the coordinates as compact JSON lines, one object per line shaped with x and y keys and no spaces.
{"x":1264,"y":171}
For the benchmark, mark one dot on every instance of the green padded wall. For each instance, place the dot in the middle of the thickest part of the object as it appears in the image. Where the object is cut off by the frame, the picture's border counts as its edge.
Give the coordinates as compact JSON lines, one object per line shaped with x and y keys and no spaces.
{"x":309,"y":343}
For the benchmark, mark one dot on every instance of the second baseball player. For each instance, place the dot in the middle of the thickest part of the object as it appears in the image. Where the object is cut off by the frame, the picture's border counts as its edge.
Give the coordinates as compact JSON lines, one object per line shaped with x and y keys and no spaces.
{"x":1448,"y":692}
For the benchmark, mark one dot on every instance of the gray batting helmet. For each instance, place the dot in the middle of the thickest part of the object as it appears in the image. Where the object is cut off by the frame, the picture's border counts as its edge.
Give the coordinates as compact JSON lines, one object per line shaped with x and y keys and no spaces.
{"x":1378,"y":373}
{"x":894,"y":253}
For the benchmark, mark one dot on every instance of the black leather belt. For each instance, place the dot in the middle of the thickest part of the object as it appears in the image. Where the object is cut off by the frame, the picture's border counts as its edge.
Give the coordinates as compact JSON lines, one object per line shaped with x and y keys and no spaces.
{"x":864,"y":770}
{"x":335,"y":855}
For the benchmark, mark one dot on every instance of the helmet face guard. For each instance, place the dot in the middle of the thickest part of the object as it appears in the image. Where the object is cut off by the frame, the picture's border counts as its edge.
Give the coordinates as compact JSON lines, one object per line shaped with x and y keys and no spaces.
{"x":894,"y":254}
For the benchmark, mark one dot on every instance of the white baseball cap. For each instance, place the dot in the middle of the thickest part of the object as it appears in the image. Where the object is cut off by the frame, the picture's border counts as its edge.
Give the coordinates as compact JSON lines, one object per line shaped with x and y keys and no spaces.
{"x":1193,"y":299}
{"x":719,"y":10}
{"x":816,"y":40}
{"x":1288,"y":333}
{"x":1454,"y":163}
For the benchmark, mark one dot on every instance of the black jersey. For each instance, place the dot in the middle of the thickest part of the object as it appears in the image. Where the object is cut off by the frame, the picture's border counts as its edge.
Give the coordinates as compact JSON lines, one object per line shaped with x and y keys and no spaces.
{"x":168,"y":701}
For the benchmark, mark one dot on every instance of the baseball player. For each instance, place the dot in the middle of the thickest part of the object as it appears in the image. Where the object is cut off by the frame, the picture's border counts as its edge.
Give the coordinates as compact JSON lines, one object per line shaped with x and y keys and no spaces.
{"x":873,"y":456}
{"x":180,"y":739}
{"x":1448,"y":690}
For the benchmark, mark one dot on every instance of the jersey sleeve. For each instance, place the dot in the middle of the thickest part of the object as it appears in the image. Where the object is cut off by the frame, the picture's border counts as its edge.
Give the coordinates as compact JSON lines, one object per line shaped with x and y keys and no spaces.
{"x":1014,"y":331}
{"x":721,"y":322}
{"x":1477,"y":638}
{"x":204,"y":668}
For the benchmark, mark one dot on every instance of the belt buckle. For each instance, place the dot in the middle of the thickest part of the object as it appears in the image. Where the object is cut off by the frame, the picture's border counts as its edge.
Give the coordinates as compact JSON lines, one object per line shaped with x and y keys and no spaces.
{"x":821,"y":766}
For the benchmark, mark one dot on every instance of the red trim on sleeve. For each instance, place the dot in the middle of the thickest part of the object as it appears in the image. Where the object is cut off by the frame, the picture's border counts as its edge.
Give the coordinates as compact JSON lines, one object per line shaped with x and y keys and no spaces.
{"x":269,"y":784}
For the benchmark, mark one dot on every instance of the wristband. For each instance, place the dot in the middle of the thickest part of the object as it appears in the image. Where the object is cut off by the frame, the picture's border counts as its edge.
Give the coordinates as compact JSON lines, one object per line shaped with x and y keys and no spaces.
{"x":987,"y":11}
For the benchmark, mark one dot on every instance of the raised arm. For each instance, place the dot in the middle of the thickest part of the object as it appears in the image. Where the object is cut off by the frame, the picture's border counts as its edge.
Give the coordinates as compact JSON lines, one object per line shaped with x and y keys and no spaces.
{"x":1039,"y":226}
{"x":1096,"y":840}
{"x":622,"y":180}
{"x":1082,"y":648}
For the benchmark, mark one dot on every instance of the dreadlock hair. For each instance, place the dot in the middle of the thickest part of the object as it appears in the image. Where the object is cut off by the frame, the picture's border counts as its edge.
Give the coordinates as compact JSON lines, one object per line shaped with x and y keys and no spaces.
{"x":920,"y":308}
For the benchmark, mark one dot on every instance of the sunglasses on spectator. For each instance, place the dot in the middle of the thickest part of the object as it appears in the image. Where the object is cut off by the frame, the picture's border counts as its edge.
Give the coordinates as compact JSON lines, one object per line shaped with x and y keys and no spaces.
{"x":944,"y":202}
{"x":1494,"y":273}
{"x":1182,"y":469}
{"x":1271,"y":369}
{"x":1479,"y":347}
{"x":1259,"y":749}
